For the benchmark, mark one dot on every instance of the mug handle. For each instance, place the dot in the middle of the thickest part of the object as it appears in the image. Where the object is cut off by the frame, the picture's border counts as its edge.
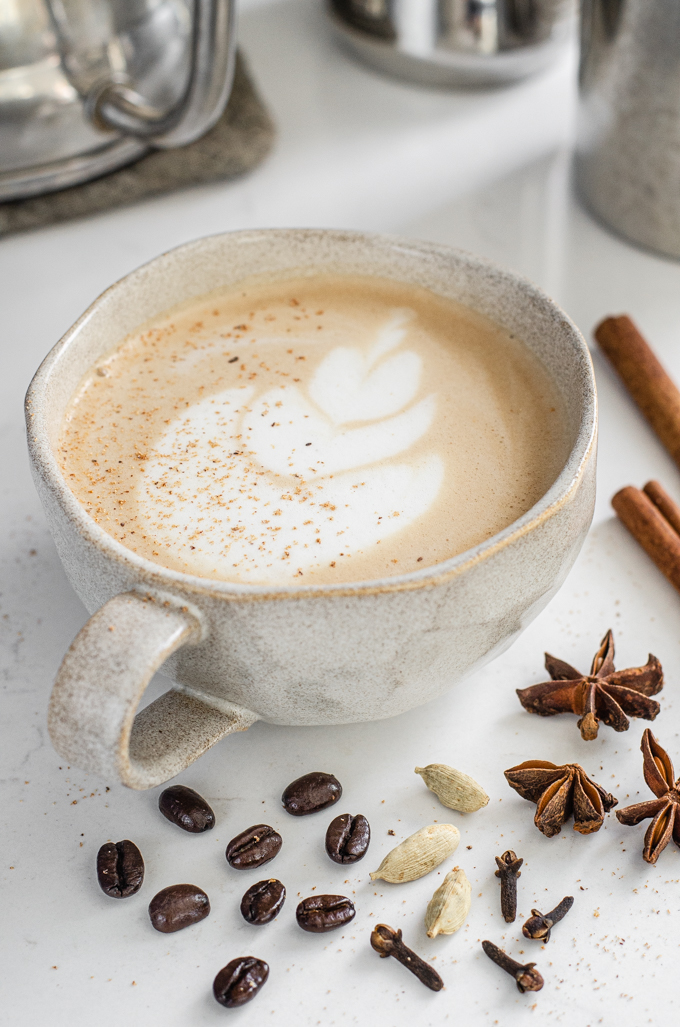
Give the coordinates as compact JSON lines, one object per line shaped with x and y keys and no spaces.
{"x":100,"y":683}
{"x":116,"y":104}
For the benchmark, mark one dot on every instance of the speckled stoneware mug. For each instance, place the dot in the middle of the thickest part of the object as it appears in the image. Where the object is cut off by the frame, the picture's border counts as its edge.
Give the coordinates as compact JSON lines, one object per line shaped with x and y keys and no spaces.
{"x":326,"y":654}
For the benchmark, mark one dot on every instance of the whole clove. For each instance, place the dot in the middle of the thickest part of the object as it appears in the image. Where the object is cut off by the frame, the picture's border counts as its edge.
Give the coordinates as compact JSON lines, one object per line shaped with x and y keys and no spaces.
{"x":508,"y":871}
{"x":539,"y":926}
{"x":526,"y":976}
{"x":387,"y":942}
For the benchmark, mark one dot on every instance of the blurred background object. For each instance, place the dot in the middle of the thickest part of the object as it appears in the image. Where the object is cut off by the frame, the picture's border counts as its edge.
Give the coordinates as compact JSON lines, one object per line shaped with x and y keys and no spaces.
{"x":87,"y":86}
{"x":628,"y":153}
{"x":455,"y":42}
{"x":239,"y":141}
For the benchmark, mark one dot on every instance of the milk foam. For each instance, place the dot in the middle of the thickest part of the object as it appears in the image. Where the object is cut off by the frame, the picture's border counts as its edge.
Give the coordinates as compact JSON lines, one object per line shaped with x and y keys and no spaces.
{"x":306,"y":503}
{"x":321,"y":429}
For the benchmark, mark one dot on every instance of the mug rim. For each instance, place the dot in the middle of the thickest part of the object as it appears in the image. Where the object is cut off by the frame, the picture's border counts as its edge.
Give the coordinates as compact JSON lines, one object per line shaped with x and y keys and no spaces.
{"x":156,"y":575}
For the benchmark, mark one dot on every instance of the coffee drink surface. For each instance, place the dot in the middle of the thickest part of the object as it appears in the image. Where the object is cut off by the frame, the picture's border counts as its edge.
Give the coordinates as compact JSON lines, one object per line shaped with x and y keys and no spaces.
{"x":313,"y":430}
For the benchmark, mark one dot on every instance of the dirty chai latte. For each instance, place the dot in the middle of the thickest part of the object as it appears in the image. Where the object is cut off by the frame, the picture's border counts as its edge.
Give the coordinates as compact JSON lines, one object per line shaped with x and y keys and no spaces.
{"x":312,"y":430}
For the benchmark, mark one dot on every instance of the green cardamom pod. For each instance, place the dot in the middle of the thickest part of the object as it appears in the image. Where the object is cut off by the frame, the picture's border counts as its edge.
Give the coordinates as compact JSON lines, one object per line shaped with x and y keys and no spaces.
{"x":453,"y":788}
{"x":448,"y":908}
{"x":418,"y":854}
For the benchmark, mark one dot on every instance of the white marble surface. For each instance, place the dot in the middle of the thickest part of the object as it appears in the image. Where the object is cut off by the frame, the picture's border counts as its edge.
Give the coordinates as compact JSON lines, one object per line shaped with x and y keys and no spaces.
{"x":489,"y":172}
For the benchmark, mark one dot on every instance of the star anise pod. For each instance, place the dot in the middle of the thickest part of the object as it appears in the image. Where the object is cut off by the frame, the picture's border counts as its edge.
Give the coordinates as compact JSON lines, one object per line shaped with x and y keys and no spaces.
{"x":605,"y":694}
{"x":665,"y":809}
{"x":559,"y":793}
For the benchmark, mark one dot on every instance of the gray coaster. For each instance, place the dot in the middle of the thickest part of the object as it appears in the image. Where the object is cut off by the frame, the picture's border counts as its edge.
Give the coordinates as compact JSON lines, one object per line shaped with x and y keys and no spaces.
{"x":239,"y":141}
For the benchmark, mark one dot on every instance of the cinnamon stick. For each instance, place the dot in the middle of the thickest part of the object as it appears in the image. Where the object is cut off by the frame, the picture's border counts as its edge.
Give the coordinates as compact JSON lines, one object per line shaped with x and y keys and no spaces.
{"x":663,"y":502}
{"x":647,"y":381}
{"x":650,"y":528}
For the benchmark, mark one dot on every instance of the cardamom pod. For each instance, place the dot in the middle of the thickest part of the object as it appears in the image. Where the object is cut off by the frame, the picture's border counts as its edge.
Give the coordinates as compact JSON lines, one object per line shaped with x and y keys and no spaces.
{"x":448,"y":908}
{"x":453,"y":788}
{"x":418,"y":854}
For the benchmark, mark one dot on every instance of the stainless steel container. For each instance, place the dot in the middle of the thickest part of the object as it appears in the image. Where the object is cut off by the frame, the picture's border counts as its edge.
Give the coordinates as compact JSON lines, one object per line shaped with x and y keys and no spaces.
{"x":89,"y":85}
{"x":455,"y":42}
{"x":628,"y":154}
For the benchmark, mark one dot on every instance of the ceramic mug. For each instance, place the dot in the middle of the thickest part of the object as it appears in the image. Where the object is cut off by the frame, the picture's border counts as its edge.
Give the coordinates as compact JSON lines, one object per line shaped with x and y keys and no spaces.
{"x":309,"y":654}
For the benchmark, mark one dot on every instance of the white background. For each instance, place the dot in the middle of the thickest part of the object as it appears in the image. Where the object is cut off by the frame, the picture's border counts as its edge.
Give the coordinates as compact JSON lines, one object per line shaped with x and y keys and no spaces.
{"x":487,"y":171}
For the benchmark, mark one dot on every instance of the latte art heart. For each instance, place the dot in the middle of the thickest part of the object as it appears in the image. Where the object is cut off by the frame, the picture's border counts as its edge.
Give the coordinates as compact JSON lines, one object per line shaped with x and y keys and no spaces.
{"x":316,"y":430}
{"x":306,"y":522}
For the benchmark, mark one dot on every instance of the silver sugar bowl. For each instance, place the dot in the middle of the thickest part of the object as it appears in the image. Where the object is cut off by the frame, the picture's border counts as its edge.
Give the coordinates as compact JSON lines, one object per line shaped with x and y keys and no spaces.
{"x":455,"y":42}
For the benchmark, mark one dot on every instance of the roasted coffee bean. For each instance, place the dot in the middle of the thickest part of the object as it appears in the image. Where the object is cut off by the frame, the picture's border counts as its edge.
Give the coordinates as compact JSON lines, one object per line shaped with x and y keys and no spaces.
{"x":347,"y":838}
{"x":311,"y":793}
{"x":253,"y":847}
{"x":263,"y":901}
{"x":178,"y":906}
{"x":239,"y":981}
{"x":186,"y":808}
{"x":320,"y":913}
{"x":120,"y":869}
